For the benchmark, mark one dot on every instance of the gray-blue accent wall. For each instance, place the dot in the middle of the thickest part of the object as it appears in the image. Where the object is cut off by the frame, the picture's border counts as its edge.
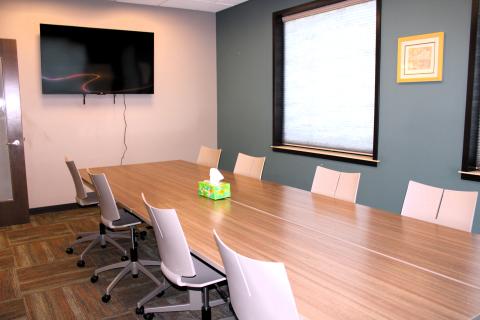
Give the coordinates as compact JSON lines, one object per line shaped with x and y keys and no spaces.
{"x":420,"y":126}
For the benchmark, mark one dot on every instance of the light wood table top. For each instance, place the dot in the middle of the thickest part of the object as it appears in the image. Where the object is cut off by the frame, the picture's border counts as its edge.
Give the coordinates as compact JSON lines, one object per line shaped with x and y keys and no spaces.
{"x":344,"y":261}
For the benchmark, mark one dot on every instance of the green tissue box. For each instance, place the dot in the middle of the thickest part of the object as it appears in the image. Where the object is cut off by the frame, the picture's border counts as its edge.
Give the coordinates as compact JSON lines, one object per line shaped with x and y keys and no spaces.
{"x":222,"y":191}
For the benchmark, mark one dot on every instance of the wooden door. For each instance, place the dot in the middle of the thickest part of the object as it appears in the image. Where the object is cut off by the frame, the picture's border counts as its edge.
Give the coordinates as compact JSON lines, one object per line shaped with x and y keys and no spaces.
{"x":13,"y":182}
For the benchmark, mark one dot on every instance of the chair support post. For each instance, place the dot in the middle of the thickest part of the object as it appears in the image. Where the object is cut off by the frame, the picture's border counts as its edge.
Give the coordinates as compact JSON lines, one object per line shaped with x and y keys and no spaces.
{"x":206,"y":310}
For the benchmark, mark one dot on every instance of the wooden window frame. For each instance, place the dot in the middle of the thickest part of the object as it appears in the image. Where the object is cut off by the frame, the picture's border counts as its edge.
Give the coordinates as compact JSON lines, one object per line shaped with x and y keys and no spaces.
{"x":470,"y":137}
{"x":278,"y":86}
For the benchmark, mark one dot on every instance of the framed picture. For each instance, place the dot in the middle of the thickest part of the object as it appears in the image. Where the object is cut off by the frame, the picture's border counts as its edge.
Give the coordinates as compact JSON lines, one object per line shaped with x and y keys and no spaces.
{"x":420,"y":58}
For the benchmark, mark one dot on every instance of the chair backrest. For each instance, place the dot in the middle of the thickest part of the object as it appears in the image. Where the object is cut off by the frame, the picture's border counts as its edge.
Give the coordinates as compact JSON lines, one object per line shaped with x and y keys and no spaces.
{"x":77,"y":180}
{"x":249,"y":166}
{"x":422,"y":201}
{"x":457,"y":209}
{"x":325,"y":181}
{"x":336,"y":184}
{"x":348,"y":186}
{"x":209,"y":157}
{"x":172,"y":245}
{"x":106,"y":201}
{"x":258,"y":289}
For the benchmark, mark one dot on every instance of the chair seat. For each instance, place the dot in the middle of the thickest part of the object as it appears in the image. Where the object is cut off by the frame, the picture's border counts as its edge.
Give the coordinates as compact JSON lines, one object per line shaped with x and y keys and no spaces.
{"x":126,"y":219}
{"x":90,"y":200}
{"x":206,"y":275}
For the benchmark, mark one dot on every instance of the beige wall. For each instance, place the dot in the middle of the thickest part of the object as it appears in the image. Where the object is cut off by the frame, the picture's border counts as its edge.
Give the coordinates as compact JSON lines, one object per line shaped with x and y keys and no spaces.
{"x":171,"y":124}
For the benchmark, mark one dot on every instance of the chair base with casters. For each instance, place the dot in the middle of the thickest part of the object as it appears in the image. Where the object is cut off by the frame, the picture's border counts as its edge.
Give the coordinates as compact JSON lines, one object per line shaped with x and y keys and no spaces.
{"x":133,"y":266}
{"x":89,"y":200}
{"x":102,"y":237}
{"x":198,"y":294}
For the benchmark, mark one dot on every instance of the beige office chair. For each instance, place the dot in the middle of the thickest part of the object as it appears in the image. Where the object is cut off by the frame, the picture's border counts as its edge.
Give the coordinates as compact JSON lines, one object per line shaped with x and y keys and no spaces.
{"x":83,"y":198}
{"x":258,"y":289}
{"x":209,"y":157}
{"x":101,"y":237}
{"x":116,"y":218}
{"x":457,"y":209}
{"x":249,"y":166}
{"x":422,"y":201}
{"x":336,"y":184}
{"x":180,"y":267}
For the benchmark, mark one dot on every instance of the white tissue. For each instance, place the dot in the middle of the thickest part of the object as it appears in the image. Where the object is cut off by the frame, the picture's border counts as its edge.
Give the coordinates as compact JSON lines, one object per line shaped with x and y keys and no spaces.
{"x":215,"y":177}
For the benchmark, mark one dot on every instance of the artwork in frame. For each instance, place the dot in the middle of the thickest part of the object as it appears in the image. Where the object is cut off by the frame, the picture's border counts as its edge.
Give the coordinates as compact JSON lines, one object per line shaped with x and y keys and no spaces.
{"x":420,"y":58}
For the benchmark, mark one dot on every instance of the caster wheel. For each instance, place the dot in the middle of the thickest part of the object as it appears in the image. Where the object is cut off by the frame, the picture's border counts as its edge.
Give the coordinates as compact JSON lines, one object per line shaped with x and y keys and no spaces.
{"x":139,"y":310}
{"x":80,"y":263}
{"x":143,"y":235}
{"x":161,"y":294}
{"x":148,"y":316}
{"x":103,"y":246}
{"x":106,"y":298}
{"x":135,"y":276}
{"x":94,"y":279}
{"x":69,"y":250}
{"x":124,"y":258}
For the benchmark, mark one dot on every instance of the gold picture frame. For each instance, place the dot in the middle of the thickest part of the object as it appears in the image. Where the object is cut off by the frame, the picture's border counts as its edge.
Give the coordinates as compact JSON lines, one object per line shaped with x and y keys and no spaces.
{"x":420,"y":58}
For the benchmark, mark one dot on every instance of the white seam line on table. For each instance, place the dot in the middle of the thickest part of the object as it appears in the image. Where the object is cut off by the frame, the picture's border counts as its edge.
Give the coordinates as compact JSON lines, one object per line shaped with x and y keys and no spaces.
{"x":360,"y":246}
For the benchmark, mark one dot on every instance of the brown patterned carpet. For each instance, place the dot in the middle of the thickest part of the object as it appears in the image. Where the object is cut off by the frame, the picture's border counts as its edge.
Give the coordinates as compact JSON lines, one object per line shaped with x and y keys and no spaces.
{"x":38,"y":280}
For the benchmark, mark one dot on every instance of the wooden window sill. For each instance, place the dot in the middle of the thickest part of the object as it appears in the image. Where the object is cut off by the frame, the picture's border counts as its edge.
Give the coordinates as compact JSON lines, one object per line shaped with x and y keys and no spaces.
{"x":328,"y":154}
{"x":470,"y":175}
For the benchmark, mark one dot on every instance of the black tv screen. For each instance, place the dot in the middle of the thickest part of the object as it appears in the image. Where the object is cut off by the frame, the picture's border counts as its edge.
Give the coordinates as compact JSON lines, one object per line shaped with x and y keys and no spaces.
{"x":95,"y":61}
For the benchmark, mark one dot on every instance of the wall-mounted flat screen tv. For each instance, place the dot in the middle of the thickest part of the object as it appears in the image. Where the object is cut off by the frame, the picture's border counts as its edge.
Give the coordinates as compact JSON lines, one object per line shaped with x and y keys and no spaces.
{"x":95,"y":61}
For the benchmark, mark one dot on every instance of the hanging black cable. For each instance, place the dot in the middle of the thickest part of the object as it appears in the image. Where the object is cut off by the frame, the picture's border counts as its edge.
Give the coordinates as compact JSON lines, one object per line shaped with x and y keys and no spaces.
{"x":124,"y":130}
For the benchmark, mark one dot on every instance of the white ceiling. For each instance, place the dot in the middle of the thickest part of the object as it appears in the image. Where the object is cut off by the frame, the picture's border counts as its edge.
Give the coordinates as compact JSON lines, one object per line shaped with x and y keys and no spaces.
{"x":200,"y":5}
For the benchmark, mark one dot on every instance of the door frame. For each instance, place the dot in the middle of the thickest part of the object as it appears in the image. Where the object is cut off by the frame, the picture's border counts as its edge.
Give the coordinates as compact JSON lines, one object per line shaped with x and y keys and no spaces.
{"x":15,"y":211}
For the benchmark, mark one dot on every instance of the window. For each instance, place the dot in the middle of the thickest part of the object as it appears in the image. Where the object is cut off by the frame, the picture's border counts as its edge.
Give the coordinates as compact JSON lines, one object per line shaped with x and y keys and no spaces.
{"x":326,"y":59}
{"x":471,"y":143}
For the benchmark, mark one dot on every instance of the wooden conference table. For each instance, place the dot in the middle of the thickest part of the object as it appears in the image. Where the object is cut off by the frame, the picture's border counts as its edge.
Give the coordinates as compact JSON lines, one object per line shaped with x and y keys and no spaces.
{"x":344,"y":261}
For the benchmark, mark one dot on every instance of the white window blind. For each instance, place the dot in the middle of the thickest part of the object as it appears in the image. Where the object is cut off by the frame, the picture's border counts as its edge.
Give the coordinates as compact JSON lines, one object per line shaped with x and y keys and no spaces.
{"x":329,"y":77}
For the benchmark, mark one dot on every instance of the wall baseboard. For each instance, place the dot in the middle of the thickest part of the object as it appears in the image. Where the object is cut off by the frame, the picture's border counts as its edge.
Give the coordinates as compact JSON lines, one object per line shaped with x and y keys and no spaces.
{"x":58,"y":207}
